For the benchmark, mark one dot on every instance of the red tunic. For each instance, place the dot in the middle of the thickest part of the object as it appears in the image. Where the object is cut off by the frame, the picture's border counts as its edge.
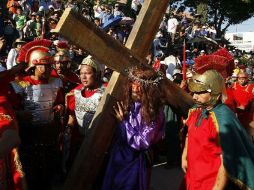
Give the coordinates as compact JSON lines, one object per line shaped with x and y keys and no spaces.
{"x":204,"y":151}
{"x":8,"y":121}
{"x":243,"y":96}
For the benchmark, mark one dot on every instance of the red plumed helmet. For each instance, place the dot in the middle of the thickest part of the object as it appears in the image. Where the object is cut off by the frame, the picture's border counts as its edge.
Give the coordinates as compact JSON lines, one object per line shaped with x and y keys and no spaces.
{"x":62,"y":45}
{"x":36,"y":53}
{"x":221,"y":61}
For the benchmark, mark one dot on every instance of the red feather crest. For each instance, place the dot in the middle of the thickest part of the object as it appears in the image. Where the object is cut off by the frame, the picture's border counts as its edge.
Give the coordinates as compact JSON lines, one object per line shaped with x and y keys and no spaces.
{"x":26,"y":50}
{"x":62,"y":45}
{"x":221,"y":61}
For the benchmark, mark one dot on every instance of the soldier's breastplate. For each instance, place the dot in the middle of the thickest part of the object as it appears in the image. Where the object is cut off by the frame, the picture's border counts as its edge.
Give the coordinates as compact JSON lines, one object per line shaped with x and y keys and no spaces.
{"x":85,"y":108}
{"x":39,"y":101}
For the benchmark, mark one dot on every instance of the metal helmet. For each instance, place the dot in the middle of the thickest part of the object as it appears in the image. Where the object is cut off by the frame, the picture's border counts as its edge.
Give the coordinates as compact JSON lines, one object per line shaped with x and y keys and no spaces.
{"x":210,"y":81}
{"x":36,"y":53}
{"x":62,"y":56}
{"x":90,"y":61}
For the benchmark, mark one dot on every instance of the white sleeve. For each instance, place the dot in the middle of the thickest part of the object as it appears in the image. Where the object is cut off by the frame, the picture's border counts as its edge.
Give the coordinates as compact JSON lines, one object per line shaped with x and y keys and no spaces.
{"x":10,"y":59}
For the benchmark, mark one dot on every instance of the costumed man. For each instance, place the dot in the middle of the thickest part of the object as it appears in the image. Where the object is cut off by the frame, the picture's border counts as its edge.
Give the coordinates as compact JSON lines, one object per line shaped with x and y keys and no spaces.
{"x":42,"y":99}
{"x":242,"y":94}
{"x":82,"y":102}
{"x":218,"y":153}
{"x":62,"y":68}
{"x":141,"y":125}
{"x":11,"y":172}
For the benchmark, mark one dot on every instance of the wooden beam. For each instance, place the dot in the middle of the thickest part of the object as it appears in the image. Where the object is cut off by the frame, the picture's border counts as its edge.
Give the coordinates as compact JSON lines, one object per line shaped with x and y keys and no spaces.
{"x":110,"y":52}
{"x":88,"y":36}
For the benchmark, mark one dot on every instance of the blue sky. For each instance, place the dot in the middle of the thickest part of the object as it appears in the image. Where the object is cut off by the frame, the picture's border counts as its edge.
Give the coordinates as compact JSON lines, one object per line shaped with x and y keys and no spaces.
{"x":246,"y":26}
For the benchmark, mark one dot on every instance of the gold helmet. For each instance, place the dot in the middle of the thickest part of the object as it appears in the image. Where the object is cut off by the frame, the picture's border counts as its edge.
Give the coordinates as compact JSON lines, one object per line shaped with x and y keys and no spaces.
{"x":90,"y":61}
{"x":36,"y":53}
{"x":62,"y":56}
{"x":210,"y":81}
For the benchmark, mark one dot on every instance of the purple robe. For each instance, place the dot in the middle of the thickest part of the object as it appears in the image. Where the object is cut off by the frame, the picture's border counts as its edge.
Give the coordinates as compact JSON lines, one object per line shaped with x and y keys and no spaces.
{"x":130,"y":164}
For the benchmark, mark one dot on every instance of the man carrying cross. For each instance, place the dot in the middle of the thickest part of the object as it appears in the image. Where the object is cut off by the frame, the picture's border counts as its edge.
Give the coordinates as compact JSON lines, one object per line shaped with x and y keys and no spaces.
{"x":119,"y":58}
{"x":141,"y":125}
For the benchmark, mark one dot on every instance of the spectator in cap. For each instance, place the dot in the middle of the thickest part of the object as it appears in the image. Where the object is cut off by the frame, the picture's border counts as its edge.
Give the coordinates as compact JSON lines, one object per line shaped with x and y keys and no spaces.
{"x":13,"y":53}
{"x":202,"y":52}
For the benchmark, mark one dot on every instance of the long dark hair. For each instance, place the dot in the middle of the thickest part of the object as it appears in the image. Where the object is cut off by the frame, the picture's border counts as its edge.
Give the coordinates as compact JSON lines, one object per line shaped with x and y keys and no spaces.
{"x":151,"y":95}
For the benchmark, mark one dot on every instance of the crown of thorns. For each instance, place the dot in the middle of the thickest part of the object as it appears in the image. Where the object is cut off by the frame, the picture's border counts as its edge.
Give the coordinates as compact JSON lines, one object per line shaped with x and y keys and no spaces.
{"x":145,"y":82}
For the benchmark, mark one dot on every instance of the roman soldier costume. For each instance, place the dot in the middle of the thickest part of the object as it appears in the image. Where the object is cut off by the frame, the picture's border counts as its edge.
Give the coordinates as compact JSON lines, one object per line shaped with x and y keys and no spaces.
{"x":215,"y":136}
{"x":70,"y":79}
{"x":39,"y":131}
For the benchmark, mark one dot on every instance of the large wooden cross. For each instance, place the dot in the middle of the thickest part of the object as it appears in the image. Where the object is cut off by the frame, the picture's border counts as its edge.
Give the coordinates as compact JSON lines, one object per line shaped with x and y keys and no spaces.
{"x":108,"y":51}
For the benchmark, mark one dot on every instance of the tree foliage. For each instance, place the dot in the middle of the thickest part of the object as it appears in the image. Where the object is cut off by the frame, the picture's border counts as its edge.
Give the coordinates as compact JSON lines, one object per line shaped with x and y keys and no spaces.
{"x":223,"y":13}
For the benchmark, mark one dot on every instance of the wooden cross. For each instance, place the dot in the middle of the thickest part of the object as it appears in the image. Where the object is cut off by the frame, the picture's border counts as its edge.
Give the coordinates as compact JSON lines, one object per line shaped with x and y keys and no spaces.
{"x":108,"y":51}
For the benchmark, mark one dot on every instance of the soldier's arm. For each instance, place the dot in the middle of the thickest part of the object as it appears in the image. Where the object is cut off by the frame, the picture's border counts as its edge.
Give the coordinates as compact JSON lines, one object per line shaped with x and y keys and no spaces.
{"x":184,"y":155}
{"x":222,"y":179}
{"x":9,"y":140}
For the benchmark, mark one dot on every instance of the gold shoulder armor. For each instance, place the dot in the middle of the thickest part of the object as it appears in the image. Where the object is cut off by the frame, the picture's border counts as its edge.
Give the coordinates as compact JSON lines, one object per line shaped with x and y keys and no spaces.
{"x":71,"y":93}
{"x":22,"y":83}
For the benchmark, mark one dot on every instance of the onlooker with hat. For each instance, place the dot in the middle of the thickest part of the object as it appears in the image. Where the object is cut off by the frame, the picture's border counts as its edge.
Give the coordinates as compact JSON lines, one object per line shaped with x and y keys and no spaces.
{"x":13,"y":53}
{"x":202,"y":52}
